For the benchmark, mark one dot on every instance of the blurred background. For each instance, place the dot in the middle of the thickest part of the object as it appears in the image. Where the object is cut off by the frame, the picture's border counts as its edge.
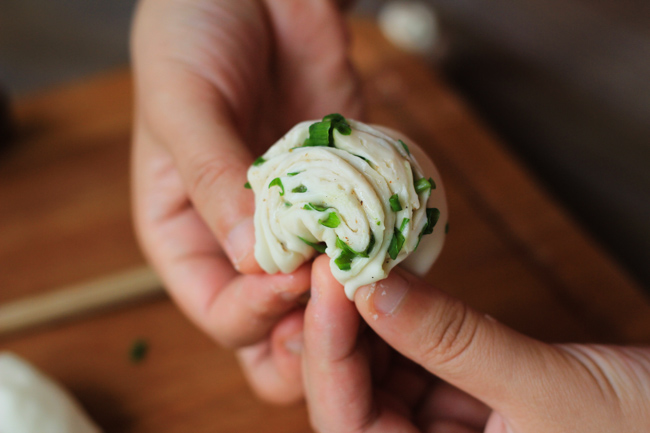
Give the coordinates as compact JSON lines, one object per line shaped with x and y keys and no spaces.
{"x":565,"y":83}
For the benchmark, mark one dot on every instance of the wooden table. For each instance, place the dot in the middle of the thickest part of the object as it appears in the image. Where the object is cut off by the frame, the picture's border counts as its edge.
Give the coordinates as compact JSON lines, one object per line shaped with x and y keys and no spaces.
{"x":64,"y":217}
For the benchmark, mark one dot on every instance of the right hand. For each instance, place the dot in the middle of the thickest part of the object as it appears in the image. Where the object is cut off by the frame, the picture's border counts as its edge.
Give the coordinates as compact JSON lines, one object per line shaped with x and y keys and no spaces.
{"x":217,"y":82}
{"x":495,"y":379}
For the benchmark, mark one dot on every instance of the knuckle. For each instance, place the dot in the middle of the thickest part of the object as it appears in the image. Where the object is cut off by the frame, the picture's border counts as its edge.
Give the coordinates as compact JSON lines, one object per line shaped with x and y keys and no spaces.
{"x":449,"y":336}
{"x":219,"y":332}
{"x":229,"y":338}
{"x":265,"y":308}
{"x":245,"y":323}
{"x":206,"y":174}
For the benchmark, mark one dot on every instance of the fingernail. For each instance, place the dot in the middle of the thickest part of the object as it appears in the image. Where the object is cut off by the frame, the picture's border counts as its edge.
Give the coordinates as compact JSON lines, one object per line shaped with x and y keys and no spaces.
{"x":389,"y":293}
{"x":240,"y":241}
{"x":293,"y":344}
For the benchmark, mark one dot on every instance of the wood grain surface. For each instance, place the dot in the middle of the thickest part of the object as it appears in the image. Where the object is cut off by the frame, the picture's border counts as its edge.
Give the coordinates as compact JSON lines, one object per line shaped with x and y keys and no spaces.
{"x":64,"y":218}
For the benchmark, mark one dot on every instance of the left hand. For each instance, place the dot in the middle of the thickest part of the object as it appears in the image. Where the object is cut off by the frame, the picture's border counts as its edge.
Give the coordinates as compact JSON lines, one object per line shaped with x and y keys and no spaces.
{"x":217,"y":82}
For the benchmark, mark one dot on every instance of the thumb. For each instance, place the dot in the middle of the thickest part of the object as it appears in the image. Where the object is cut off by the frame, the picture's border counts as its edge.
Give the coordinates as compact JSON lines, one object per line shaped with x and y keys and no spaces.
{"x":468,"y":349}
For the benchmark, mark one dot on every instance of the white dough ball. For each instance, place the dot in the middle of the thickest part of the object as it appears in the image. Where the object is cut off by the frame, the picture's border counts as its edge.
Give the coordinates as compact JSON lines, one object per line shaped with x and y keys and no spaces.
{"x":30,"y":402}
{"x":366,"y":196}
{"x":411,"y":25}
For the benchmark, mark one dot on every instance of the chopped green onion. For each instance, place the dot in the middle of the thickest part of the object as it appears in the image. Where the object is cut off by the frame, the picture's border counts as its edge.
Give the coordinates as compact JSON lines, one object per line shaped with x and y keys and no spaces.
{"x":247,"y":185}
{"x":364,"y":158}
{"x":371,"y":244}
{"x":294,"y":173}
{"x":345,"y":247}
{"x":339,"y":123}
{"x":422,"y":185}
{"x":300,"y":188}
{"x":259,"y":161}
{"x":446,"y":228}
{"x":433,"y":184}
{"x":406,"y":148}
{"x":394,"y":203}
{"x":319,"y":134}
{"x":344,"y":260}
{"x":277,"y":182}
{"x":138,"y":350}
{"x":332,"y":221}
{"x":316,"y":207}
{"x":396,"y":244}
{"x":433,"y":214}
{"x":320,"y":247}
{"x":287,"y":204}
{"x":432,"y":218}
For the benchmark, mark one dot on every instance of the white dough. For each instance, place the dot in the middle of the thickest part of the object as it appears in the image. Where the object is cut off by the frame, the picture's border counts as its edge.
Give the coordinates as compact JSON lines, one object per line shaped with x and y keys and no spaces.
{"x":30,"y":402}
{"x":355,"y":180}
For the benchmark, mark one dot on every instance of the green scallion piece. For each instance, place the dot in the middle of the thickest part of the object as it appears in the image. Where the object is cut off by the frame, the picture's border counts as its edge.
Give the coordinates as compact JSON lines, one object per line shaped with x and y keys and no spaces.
{"x":446,"y":228}
{"x":294,"y":173}
{"x":365,"y":159}
{"x":332,"y":221}
{"x":394,"y":203}
{"x":259,"y":161}
{"x":287,"y":204}
{"x":422,"y":185}
{"x":138,"y":350}
{"x":433,"y":214}
{"x":345,"y":247}
{"x":247,"y":185}
{"x":371,"y":244}
{"x":406,"y":148}
{"x":344,"y":260}
{"x":316,"y":207}
{"x":277,"y":182}
{"x":433,"y":184}
{"x":396,"y":244}
{"x":432,"y":219}
{"x":300,"y":188}
{"x":339,"y":122}
{"x":405,"y":221}
{"x":319,"y":134}
{"x":320,"y":247}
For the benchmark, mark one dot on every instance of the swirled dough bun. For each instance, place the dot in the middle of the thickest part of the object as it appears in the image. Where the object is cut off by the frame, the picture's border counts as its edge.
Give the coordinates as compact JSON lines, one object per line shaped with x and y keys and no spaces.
{"x":32,"y":403}
{"x":366,"y":196}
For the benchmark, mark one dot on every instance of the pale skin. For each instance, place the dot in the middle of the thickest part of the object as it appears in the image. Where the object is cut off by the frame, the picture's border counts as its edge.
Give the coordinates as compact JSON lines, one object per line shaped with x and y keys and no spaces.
{"x":217,"y":82}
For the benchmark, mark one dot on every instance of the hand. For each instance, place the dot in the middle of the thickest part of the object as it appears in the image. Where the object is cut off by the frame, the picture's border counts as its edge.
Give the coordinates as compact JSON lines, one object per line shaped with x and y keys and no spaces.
{"x":217,"y":82}
{"x":495,"y":379}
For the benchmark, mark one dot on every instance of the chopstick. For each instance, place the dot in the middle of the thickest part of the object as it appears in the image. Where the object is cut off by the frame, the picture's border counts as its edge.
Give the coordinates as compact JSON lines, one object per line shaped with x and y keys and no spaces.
{"x":79,"y":299}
